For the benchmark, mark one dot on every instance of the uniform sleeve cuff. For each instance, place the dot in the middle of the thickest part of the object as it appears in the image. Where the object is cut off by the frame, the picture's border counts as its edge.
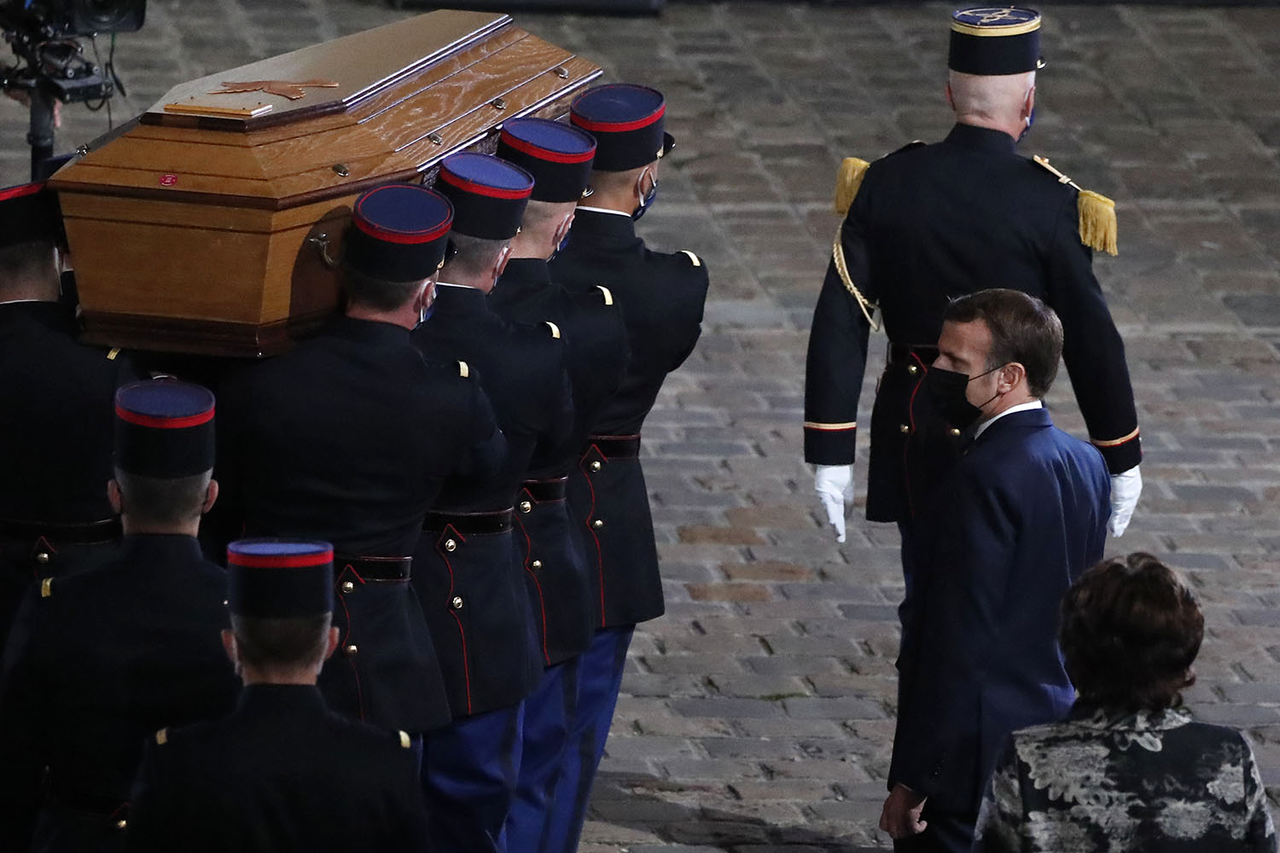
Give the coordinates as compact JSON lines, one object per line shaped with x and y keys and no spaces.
{"x":829,"y":444}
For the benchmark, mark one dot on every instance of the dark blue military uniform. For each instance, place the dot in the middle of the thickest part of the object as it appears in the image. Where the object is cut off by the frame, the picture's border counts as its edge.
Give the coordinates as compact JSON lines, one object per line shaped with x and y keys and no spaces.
{"x":930,"y":223}
{"x":55,"y":425}
{"x":281,"y":772}
{"x":349,"y":438}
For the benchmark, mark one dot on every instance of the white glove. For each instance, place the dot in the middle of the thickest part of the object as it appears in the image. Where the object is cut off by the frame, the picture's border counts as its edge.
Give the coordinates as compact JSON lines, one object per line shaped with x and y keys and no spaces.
{"x":1125,"y":489}
{"x":834,"y":485}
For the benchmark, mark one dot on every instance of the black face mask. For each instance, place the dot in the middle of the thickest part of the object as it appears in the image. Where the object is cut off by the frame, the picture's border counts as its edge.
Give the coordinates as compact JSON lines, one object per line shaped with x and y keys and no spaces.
{"x":947,"y":390}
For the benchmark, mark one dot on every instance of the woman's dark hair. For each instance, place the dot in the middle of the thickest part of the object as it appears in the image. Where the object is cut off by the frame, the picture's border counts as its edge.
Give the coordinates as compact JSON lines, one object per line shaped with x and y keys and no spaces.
{"x":1130,"y":632}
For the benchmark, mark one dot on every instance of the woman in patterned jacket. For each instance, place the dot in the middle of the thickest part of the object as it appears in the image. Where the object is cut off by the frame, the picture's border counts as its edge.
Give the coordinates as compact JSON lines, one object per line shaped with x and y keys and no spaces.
{"x":1128,"y":770}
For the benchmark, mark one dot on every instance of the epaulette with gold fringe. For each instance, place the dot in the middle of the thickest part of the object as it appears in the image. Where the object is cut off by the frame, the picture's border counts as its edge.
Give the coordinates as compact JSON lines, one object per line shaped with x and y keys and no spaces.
{"x":850,"y":174}
{"x":1098,"y":227}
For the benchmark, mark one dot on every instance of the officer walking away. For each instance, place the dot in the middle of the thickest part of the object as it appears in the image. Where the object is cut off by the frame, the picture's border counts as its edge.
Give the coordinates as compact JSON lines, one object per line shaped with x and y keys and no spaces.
{"x":281,"y":772}
{"x":100,"y":659}
{"x":559,"y":156}
{"x":55,"y":424}
{"x":930,"y":223}
{"x":468,"y":577}
{"x":348,"y":437}
{"x":661,"y":297}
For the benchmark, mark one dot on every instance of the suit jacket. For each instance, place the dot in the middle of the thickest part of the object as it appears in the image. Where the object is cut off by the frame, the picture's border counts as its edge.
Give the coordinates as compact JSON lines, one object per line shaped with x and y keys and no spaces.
{"x":931,"y":223}
{"x":280,"y":773}
{"x":662,"y":298}
{"x":1022,"y":515}
{"x":1107,"y":779}
{"x":349,"y":438}
{"x":98,"y":661}
{"x":548,"y":540}
{"x":473,"y":593}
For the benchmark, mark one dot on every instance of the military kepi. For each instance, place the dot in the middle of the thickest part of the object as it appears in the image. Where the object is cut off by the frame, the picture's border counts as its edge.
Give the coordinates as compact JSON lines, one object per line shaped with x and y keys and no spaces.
{"x":558,"y":156}
{"x":28,"y":213}
{"x":628,"y":123}
{"x":489,"y":195}
{"x":164,"y":429}
{"x":397,"y":233}
{"x":995,"y":40}
{"x":279,"y":579}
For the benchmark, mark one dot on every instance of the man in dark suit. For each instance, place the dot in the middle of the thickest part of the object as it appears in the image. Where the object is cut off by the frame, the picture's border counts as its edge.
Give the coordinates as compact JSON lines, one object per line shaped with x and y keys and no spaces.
{"x":929,"y":223}
{"x":1019,"y":518}
{"x":559,"y":156}
{"x":99,"y":659}
{"x":281,"y":772}
{"x":349,"y":437}
{"x":662,"y":297}
{"x":469,"y":579}
{"x":55,"y":424}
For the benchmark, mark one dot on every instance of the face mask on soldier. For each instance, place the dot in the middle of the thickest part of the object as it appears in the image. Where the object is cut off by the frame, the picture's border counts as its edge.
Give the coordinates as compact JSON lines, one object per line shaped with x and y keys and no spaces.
{"x":646,"y":198}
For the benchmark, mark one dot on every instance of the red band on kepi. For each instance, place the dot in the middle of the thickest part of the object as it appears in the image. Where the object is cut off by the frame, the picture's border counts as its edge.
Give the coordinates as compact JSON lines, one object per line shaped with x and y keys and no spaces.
{"x":279,"y":578}
{"x":558,"y":155}
{"x":398,"y":233}
{"x":164,"y":429}
{"x":628,"y":123}
{"x":489,"y":195}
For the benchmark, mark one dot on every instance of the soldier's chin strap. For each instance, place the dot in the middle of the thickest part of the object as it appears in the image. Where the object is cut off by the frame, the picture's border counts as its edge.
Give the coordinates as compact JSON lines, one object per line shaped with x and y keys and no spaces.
{"x":837,"y":255}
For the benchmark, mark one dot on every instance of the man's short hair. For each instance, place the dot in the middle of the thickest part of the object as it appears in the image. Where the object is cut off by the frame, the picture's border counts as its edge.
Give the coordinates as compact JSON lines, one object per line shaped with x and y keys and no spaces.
{"x":292,"y":641}
{"x":22,"y":262}
{"x":1130,"y":631}
{"x":474,"y":256}
{"x":1023,"y":329}
{"x":376,"y":293}
{"x":161,"y":500}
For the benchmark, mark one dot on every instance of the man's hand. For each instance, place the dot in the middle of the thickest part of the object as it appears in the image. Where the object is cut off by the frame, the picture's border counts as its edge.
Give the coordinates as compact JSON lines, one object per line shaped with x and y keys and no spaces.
{"x":834,"y":485}
{"x":901,"y":814}
{"x":1125,"y":489}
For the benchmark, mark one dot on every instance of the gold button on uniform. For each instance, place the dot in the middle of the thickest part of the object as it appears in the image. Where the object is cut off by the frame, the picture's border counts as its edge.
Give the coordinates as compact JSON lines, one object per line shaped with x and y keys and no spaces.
{"x":904,"y":429}
{"x":598,"y":523}
{"x":596,"y":466}
{"x":955,"y":433}
{"x":526,"y":506}
{"x":450,"y":545}
{"x":536,"y":564}
{"x":456,"y":604}
{"x":122,"y":824}
{"x":912,"y":369}
{"x":42,"y":557}
{"x":351,"y":649}
{"x":348,"y":586}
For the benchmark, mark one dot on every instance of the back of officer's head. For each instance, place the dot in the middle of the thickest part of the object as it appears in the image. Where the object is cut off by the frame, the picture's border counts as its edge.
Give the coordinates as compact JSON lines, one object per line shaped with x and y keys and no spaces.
{"x":378,"y":294}
{"x":281,"y":601}
{"x":474,"y":258}
{"x":394,"y":244}
{"x":28,"y":271}
{"x":30,"y":230}
{"x":1023,"y":329}
{"x":163,"y":456}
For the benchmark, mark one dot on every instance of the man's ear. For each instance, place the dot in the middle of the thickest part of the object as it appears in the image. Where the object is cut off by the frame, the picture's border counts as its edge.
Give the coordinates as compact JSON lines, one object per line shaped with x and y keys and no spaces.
{"x":210,"y":497}
{"x":332,"y":645}
{"x":230,"y":647}
{"x":951,"y":101}
{"x":114,"y":497}
{"x":1011,"y":375}
{"x":503,"y":257}
{"x":1029,"y":103}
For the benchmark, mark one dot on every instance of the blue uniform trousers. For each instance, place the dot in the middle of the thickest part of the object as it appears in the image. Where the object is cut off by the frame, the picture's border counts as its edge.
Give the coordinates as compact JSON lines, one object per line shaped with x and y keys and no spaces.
{"x":469,"y":771}
{"x":599,"y":679}
{"x":549,"y":714}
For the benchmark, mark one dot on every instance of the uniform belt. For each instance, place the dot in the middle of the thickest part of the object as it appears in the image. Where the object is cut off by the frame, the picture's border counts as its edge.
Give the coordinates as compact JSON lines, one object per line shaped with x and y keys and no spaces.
{"x":76,"y":533}
{"x":901,"y":353}
{"x":479,"y":523}
{"x":375,"y":568}
{"x":544,"y":491}
{"x":616,"y":446}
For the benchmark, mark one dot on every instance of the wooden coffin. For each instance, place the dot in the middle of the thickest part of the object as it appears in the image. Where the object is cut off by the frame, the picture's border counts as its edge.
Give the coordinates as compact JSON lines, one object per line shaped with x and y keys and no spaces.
{"x":197,"y":230}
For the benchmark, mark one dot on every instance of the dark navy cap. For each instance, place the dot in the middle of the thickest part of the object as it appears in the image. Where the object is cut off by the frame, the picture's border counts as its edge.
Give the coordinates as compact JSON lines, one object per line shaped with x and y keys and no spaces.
{"x":164,"y":429}
{"x":398,"y":233}
{"x":995,"y":40}
{"x":27,"y":213}
{"x":627,"y":122}
{"x":489,"y":195}
{"x":558,"y":156}
{"x":279,"y":579}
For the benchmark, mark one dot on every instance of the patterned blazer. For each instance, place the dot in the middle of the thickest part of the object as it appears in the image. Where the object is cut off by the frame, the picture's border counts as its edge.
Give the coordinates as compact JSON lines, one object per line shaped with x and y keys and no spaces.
{"x":1112,"y":782}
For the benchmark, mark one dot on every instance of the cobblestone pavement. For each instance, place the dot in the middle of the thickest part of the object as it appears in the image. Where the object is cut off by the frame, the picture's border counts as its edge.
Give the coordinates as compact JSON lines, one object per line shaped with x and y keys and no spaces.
{"x":758,"y":712}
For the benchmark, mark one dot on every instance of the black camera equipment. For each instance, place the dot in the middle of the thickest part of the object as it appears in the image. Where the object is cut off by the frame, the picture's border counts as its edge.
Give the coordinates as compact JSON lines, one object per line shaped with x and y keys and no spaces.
{"x":52,"y":65}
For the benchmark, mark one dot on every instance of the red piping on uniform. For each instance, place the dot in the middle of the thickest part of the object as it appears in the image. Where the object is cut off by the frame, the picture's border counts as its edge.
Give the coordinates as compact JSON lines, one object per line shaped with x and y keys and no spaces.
{"x":911,"y":419}
{"x":161,"y":422}
{"x":22,"y":191}
{"x":484,"y":189}
{"x":542,"y":600}
{"x":617,"y":126}
{"x":462,"y":632}
{"x":592,"y":530}
{"x":355,"y":673}
{"x":281,"y":561}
